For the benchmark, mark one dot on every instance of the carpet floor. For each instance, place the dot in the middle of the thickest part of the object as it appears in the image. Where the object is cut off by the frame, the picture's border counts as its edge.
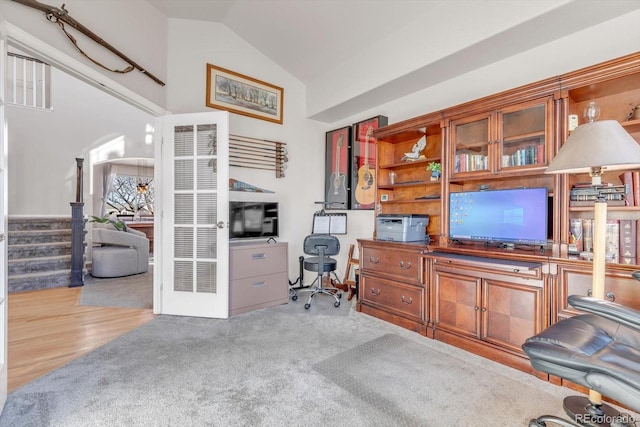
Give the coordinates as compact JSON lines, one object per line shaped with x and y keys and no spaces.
{"x":127,"y":292}
{"x":280,"y":366}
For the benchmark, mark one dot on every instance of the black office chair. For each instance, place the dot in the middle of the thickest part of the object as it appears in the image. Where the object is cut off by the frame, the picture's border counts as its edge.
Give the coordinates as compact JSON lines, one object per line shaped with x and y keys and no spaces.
{"x":322,"y":246}
{"x":599,"y":350}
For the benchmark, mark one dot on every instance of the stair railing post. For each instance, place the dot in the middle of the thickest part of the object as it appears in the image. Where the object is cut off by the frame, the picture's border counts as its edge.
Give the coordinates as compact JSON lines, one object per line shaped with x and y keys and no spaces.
{"x":77,"y":232}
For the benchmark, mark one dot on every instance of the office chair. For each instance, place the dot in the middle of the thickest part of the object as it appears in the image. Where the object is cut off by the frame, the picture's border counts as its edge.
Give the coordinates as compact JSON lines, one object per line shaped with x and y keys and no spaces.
{"x":322,"y":246}
{"x":599,"y":350}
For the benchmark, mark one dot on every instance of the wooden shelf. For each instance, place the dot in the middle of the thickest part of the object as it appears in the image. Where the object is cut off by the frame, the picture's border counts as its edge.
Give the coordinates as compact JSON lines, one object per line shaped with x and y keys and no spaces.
{"x":631,"y":126}
{"x":391,"y":202}
{"x":410,"y":164}
{"x":524,"y":136}
{"x":609,"y":208}
{"x":407,"y":184}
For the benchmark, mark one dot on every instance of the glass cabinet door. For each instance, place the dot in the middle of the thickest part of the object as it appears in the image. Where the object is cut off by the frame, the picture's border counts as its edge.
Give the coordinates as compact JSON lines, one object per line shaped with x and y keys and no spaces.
{"x":522,"y":136}
{"x":471,"y":139}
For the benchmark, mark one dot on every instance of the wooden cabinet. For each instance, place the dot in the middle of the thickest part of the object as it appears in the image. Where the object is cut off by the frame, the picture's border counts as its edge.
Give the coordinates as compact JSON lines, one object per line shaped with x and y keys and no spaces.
{"x":488,"y":306}
{"x":404,"y":184}
{"x":258,"y":276}
{"x":515,"y":137}
{"x":485,"y":298}
{"x":391,"y":283}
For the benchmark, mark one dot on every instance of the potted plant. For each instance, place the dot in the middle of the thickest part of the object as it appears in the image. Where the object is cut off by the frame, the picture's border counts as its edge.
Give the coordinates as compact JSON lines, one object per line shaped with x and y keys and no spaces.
{"x":436,"y":170}
{"x":119,"y":225}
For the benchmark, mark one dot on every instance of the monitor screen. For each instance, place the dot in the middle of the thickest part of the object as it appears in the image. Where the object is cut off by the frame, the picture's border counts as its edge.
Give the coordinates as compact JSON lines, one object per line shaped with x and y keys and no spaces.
{"x":512,"y":216}
{"x":253,"y":220}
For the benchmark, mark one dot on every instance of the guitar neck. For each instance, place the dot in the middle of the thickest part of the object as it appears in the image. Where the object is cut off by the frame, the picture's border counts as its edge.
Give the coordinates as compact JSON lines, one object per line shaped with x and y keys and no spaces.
{"x":366,"y":148}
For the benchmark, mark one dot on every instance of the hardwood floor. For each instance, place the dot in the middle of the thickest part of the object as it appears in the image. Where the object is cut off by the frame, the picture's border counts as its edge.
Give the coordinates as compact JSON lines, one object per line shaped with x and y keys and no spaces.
{"x":48,"y":328}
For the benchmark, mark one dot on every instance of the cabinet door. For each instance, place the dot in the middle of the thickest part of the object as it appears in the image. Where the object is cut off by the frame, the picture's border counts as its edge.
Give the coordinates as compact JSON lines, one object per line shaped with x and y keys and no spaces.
{"x":470,"y":139}
{"x":523,"y":134}
{"x":511,"y":313}
{"x":456,"y":299}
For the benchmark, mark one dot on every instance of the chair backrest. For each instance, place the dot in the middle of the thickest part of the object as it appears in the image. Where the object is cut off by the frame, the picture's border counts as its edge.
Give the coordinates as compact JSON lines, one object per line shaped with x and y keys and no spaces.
{"x":313,"y":241}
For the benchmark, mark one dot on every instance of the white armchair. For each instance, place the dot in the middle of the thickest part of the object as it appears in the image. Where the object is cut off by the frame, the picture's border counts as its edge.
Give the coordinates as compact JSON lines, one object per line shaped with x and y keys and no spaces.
{"x":120,"y":253}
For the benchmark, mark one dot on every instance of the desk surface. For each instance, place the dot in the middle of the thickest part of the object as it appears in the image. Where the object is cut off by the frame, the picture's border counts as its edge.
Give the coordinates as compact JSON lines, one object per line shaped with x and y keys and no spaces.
{"x":140,"y":224}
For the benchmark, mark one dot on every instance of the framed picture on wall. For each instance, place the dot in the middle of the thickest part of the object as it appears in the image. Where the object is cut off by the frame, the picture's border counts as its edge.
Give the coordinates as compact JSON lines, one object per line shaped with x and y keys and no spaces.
{"x":240,"y":94}
{"x":337,"y":172}
{"x":363,"y":162}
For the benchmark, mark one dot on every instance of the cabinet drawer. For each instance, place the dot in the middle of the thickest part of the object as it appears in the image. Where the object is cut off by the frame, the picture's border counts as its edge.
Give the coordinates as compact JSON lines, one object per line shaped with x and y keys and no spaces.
{"x":256,"y":261}
{"x":531,"y":270}
{"x":401,"y":264}
{"x":253,"y":291}
{"x":619,"y":287}
{"x":405,"y":300}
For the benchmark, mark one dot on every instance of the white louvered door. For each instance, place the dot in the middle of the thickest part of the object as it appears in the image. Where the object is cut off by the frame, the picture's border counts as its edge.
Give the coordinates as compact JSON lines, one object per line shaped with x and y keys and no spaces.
{"x":195,"y":206}
{"x":3,"y":219}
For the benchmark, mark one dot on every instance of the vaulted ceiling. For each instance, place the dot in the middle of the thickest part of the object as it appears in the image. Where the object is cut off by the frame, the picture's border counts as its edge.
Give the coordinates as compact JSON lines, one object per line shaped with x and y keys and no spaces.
{"x":413,"y":44}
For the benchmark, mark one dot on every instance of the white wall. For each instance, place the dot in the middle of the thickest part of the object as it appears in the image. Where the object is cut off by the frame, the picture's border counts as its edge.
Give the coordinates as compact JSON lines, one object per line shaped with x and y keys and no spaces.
{"x":43,"y":145}
{"x":193,"y":44}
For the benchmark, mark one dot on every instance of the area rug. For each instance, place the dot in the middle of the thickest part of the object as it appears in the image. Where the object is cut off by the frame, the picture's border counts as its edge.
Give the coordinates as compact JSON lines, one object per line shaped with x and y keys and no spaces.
{"x":321,"y":305}
{"x":411,"y":385}
{"x":126,"y":292}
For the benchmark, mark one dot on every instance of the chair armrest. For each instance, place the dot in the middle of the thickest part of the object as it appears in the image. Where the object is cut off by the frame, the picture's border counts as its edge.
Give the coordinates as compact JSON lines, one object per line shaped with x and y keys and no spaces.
{"x":610,"y":310}
{"x":119,"y":238}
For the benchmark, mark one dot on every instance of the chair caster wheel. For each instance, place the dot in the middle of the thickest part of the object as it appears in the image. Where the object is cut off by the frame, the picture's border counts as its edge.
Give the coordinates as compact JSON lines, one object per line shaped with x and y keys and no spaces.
{"x":536,"y":423}
{"x":336,"y":304}
{"x":339,"y":296}
{"x":294,"y":298}
{"x":306,"y":306}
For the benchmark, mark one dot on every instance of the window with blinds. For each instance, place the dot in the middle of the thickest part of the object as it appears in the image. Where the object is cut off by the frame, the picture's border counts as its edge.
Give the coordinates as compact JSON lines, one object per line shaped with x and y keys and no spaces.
{"x":195,"y":203}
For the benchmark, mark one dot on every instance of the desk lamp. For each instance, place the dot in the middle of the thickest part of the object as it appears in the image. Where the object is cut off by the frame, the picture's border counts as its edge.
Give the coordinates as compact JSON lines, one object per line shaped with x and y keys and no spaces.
{"x":594,"y":148}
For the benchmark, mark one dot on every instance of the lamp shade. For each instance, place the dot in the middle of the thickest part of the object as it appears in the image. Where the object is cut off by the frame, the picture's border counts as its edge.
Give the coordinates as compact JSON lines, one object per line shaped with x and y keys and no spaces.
{"x":604,"y":144}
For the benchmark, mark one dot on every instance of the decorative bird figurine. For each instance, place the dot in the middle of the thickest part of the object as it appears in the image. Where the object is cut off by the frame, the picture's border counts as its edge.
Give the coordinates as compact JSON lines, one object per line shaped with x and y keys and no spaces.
{"x":415,"y":151}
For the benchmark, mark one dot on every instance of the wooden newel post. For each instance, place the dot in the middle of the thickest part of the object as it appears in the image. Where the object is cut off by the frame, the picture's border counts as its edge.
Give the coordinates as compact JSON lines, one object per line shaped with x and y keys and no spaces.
{"x":77,"y":232}
{"x":79,"y":180}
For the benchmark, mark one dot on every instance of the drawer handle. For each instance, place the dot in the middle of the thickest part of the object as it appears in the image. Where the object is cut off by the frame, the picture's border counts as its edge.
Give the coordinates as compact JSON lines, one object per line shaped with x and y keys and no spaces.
{"x":610,"y":295}
{"x":373,"y":260}
{"x":259,"y":256}
{"x":374,"y":291}
{"x":402,"y":266}
{"x":406,"y":301}
{"x":259,"y":284}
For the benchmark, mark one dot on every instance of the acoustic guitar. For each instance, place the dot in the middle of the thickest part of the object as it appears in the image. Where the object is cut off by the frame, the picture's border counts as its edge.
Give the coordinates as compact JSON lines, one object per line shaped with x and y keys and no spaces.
{"x":339,"y":191}
{"x":365,"y":190}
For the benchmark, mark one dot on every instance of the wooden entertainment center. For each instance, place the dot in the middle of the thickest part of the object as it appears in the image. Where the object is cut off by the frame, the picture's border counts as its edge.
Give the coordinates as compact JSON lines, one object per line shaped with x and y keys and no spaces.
{"x":482,"y":298}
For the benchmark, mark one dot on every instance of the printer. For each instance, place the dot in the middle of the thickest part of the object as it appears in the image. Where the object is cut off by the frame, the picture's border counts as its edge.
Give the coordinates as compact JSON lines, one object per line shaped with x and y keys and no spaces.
{"x":402,"y":228}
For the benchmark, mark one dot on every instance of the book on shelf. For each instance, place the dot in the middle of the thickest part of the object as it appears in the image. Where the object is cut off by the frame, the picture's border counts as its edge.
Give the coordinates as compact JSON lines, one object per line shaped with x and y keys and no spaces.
{"x":612,"y":245}
{"x":628,"y":241}
{"x":590,"y":184}
{"x":595,"y":190}
{"x":632,"y":180}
